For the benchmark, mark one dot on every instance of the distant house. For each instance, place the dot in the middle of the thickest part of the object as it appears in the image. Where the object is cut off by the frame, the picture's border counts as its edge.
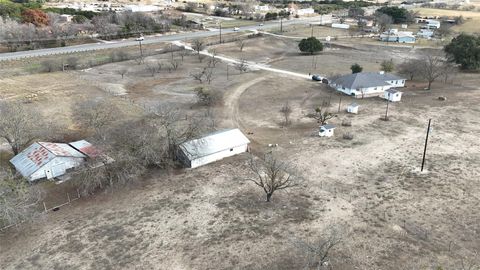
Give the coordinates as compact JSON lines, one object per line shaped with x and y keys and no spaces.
{"x":326,"y":130}
{"x":66,"y":18}
{"x":213,"y":147}
{"x":46,"y":160}
{"x":425,"y":33}
{"x":397,"y":36}
{"x":393,"y":95}
{"x":433,"y":24}
{"x":365,"y":84}
{"x":352,"y":108}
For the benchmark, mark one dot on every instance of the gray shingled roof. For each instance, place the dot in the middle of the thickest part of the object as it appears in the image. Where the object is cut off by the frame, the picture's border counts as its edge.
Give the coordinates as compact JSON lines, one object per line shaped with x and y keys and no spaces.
{"x":365,"y":79}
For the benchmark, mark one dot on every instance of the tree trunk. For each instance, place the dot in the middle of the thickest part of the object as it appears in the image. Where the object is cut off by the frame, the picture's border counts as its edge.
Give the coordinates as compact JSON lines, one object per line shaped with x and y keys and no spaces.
{"x":429,"y":85}
{"x":269,"y":196}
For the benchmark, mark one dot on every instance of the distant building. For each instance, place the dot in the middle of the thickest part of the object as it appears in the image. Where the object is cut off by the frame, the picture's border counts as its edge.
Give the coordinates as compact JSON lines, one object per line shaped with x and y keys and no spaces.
{"x":324,"y":19}
{"x":46,"y":160}
{"x":213,"y":147}
{"x":365,"y":84}
{"x":352,"y":108}
{"x":66,"y":18}
{"x":425,"y":33}
{"x":340,"y":25}
{"x":433,"y":24}
{"x":393,"y":35}
{"x":326,"y":130}
{"x":393,"y":95}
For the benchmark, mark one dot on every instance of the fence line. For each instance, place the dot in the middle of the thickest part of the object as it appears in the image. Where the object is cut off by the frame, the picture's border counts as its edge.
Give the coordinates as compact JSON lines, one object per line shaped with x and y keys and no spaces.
{"x":46,"y":210}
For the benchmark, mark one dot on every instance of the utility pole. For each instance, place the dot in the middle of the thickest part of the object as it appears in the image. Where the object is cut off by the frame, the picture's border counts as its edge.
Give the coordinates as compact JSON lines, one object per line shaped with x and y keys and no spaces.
{"x":220,"y":33}
{"x":386,"y":111}
{"x":426,"y":142}
{"x":281,"y":24}
{"x":339,"y":104}
{"x":312,"y":30}
{"x":141,"y":51}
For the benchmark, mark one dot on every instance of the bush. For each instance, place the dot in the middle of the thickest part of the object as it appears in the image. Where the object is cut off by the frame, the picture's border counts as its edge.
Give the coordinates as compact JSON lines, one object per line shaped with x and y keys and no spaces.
{"x":50,"y":65}
{"x":207,"y":97}
{"x":347,"y":123}
{"x":348,"y":136}
{"x":72,"y":62}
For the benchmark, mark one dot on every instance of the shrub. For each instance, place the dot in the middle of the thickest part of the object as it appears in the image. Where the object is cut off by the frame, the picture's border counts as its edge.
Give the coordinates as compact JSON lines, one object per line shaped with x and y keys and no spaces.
{"x":348,"y":136}
{"x":347,"y":123}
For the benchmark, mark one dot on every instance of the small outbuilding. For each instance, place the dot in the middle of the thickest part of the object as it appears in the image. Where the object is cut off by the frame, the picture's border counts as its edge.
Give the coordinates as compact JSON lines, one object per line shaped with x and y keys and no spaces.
{"x":46,"y":160}
{"x":326,"y":130}
{"x":393,"y":95}
{"x":212,"y":147}
{"x":352,"y":108}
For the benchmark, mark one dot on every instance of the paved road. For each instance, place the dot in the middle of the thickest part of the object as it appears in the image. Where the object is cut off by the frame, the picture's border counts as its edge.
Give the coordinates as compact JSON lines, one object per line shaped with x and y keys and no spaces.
{"x":148,"y":40}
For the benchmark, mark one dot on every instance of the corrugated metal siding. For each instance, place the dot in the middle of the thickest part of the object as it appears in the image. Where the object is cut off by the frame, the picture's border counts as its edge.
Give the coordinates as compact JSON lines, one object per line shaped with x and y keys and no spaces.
{"x":39,"y":154}
{"x":213,"y":143}
{"x":86,"y":148}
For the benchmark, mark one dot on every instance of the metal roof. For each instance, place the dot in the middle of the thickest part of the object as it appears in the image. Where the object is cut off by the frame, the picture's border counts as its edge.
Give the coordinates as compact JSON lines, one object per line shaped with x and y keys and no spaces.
{"x":365,"y":79}
{"x":86,"y":148}
{"x":328,"y":126}
{"x":392,"y":90}
{"x":40,"y":153}
{"x":213,"y":143}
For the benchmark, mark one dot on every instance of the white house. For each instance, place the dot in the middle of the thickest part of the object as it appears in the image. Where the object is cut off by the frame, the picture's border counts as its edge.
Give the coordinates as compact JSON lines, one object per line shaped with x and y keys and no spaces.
{"x":393,"y":95}
{"x":326,"y":130}
{"x":213,"y":147}
{"x":365,"y":84}
{"x":433,"y":24}
{"x":305,"y":12}
{"x":352,"y":108}
{"x":425,"y":33}
{"x":46,"y":160}
{"x":340,"y":25}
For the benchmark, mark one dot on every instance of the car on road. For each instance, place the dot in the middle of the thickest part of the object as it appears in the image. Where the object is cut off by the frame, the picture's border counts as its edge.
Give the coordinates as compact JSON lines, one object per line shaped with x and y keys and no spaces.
{"x":261,"y":24}
{"x":236,"y":29}
{"x":140,"y":39}
{"x":316,"y":77}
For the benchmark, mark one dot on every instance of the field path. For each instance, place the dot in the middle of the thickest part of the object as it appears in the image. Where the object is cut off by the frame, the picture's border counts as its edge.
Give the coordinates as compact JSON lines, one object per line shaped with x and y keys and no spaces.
{"x":231,"y":102}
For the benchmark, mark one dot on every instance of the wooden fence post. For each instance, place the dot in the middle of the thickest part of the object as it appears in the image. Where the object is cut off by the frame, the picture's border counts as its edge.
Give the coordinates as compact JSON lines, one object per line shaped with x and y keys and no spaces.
{"x":45,"y":206}
{"x":68,"y":196}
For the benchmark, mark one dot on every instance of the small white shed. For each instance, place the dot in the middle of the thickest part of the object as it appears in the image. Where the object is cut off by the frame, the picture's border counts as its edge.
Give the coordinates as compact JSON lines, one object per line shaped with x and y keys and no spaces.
{"x":214,"y":146}
{"x":326,"y":130}
{"x":393,"y":95}
{"x":46,"y":160}
{"x":352,"y":108}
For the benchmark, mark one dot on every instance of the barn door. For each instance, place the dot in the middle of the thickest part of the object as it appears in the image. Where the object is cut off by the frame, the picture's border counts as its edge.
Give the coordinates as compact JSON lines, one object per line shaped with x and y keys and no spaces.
{"x":48,"y":173}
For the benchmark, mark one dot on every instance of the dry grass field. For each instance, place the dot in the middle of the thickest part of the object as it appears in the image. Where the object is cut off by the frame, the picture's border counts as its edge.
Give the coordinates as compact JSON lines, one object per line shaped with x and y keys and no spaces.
{"x":472,"y":18}
{"x":392,"y":216}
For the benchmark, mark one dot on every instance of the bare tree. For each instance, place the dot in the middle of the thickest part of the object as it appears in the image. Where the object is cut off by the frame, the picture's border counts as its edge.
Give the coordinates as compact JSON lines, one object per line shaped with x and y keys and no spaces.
{"x":72,"y":62}
{"x":152,"y":69}
{"x":242,"y":66}
{"x":20,"y":125}
{"x":97,"y":115}
{"x":174,"y":64}
{"x":449,"y":70}
{"x":431,"y":68}
{"x":18,"y":200}
{"x":183,"y":53}
{"x":272,"y":174}
{"x":198,"y":45}
{"x":383,"y":21}
{"x":122,"y":72}
{"x":286,"y":110}
{"x":50,"y":65}
{"x":207,"y":97}
{"x":241,"y":44}
{"x":318,"y":252}
{"x":410,"y":68}
{"x":322,"y":115}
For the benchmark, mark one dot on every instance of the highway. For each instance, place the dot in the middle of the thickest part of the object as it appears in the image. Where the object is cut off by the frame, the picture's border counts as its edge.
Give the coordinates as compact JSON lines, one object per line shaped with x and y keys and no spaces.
{"x":148,"y":40}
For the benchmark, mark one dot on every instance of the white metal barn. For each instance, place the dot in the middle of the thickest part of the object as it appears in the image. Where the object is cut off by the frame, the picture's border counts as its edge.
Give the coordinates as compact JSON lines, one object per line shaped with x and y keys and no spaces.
{"x":326,"y":130}
{"x":213,"y":147}
{"x":352,"y":108}
{"x":393,"y":95}
{"x":46,"y":160}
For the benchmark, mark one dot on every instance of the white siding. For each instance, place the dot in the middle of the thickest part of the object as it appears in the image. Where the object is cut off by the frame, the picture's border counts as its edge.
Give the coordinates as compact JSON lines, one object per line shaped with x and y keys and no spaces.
{"x":218,"y":156}
{"x":57,"y":166}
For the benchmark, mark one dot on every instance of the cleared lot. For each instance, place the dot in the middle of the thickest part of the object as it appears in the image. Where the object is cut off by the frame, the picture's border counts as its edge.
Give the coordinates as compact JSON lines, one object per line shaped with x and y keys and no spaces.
{"x":211,"y":218}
